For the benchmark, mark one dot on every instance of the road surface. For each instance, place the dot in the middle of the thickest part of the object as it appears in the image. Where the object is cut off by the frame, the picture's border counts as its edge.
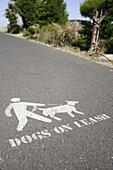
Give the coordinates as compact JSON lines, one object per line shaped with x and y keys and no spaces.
{"x":56,"y":109}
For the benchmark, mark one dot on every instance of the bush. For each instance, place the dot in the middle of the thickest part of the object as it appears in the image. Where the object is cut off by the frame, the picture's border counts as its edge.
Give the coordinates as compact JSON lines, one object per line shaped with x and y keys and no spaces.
{"x":106,"y":46}
{"x":67,"y":38}
{"x":56,"y":35}
{"x":27,"y":34}
{"x":47,"y":34}
{"x":31,"y":30}
{"x":85,"y":34}
{"x":83,"y":42}
{"x":14,"y":29}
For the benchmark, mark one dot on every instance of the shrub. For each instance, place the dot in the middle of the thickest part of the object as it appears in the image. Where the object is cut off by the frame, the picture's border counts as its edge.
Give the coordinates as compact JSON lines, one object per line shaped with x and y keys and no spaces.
{"x":56,"y":35}
{"x":66,"y":38}
{"x":27,"y":34}
{"x":31,"y":30}
{"x":83,"y":42}
{"x":14,"y":29}
{"x":106,"y":46}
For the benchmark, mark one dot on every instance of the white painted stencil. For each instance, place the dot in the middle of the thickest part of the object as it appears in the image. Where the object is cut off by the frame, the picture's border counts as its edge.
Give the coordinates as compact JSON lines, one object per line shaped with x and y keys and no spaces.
{"x":22,"y":114}
{"x":20,"y":109}
{"x":68,"y":108}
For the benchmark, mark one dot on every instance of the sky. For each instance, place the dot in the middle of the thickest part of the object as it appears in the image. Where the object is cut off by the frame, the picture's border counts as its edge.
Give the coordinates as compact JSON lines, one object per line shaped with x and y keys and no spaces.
{"x":73,"y":7}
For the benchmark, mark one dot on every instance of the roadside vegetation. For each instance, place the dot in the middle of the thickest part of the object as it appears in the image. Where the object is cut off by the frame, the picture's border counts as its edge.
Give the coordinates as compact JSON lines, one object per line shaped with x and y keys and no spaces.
{"x":46,"y":21}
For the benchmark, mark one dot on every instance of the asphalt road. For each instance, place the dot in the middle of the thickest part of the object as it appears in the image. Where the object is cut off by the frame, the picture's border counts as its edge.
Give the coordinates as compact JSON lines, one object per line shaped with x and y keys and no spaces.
{"x":62,"y":139}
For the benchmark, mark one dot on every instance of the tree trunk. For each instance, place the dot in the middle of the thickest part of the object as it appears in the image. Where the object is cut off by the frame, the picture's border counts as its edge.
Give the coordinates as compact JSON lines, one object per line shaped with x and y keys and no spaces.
{"x":94,"y":33}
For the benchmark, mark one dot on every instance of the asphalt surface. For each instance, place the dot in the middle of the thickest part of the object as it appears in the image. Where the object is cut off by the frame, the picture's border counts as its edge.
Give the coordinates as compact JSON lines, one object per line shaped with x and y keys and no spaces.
{"x":37,"y":73}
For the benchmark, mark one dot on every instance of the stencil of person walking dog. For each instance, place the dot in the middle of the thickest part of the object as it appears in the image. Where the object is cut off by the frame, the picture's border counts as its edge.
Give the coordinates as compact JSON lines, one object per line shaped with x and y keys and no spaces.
{"x":20,"y":109}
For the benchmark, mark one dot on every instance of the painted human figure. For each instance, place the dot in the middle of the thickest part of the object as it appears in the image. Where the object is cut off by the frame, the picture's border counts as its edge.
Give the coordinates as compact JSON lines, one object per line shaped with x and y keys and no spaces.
{"x":20,"y":109}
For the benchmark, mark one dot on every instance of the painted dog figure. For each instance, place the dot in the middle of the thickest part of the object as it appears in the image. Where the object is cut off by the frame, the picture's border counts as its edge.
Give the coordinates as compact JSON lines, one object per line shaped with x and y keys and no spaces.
{"x":67,"y":108}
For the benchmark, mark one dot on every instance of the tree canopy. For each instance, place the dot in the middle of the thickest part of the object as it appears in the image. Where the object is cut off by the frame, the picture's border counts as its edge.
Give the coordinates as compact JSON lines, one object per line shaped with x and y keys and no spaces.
{"x":52,"y":11}
{"x":40,"y":11}
{"x":27,"y":11}
{"x":10,"y":14}
{"x":88,"y":9}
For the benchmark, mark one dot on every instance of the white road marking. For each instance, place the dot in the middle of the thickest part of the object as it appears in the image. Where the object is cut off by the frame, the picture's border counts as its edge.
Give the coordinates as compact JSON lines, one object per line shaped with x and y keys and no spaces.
{"x":67,"y":108}
{"x":36,"y":136}
{"x":20,"y":109}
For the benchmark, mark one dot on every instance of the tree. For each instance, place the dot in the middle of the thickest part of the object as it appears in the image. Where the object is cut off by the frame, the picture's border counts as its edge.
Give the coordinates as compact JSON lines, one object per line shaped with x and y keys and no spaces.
{"x":51,"y":11}
{"x":85,"y":35}
{"x":27,"y":11}
{"x":11,"y":15}
{"x":107,"y":23}
{"x":106,"y":28}
{"x":95,"y":31}
{"x":89,"y":7}
{"x":40,"y":12}
{"x":103,"y":9}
